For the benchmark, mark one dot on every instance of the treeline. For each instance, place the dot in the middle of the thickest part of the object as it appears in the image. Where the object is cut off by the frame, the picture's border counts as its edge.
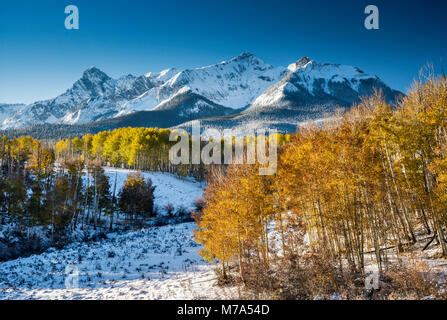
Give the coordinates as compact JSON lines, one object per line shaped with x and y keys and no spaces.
{"x":135,"y":148}
{"x":139,"y":149}
{"x":63,"y":184}
{"x":131,"y":148}
{"x":374,"y":179}
{"x":53,"y":132}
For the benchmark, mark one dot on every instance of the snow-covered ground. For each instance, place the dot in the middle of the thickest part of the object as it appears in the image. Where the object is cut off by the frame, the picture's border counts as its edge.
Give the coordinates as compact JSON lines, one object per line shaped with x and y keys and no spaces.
{"x":157,"y":263}
{"x":169,"y":189}
{"x":154,"y":263}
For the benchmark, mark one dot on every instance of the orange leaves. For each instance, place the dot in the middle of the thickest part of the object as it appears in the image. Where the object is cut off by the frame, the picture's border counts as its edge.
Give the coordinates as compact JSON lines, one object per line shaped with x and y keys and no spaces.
{"x":238,"y":205}
{"x":358,"y":183}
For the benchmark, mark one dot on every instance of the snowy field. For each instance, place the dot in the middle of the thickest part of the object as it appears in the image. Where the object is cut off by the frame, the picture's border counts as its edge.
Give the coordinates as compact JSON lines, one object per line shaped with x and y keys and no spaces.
{"x":169,"y":189}
{"x":155,"y":263}
{"x":158,"y":263}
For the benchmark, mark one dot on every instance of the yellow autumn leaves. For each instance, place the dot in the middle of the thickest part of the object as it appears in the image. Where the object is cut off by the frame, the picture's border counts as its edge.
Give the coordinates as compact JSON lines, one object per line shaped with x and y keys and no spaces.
{"x":374,"y":178}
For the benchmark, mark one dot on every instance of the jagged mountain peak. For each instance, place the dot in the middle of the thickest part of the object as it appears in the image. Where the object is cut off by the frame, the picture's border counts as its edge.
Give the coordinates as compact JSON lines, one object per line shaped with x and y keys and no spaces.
{"x":243,"y":56}
{"x":313,"y":83}
{"x":233,"y":83}
{"x":128,"y":76}
{"x":246,"y":54}
{"x":242,"y":82}
{"x":93,"y":83}
{"x":92,"y":70}
{"x":299,"y":64}
{"x":329,"y":71}
{"x":93,"y":73}
{"x":163,"y":73}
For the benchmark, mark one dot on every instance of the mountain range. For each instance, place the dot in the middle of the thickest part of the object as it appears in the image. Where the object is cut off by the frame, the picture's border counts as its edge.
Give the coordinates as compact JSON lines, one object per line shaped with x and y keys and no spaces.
{"x":243,"y":92}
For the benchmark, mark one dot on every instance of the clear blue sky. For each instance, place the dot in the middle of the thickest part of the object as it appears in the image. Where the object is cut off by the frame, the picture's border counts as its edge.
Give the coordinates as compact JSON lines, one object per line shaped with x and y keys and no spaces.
{"x":40,"y":59}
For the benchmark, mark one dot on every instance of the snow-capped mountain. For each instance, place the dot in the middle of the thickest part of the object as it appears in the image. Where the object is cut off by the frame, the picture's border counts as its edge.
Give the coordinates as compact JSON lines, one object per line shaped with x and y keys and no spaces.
{"x":96,"y":96}
{"x":233,"y":84}
{"x":314,"y":83}
{"x":8,"y":109}
{"x":242,"y":89}
{"x":310,"y":91}
{"x":185,"y":103}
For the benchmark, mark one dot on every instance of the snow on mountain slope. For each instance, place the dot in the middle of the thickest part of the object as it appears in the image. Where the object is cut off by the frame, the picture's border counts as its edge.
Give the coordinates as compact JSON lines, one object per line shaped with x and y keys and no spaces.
{"x":233,"y":84}
{"x":8,"y":109}
{"x":242,"y":83}
{"x":104,"y":106}
{"x":150,"y":98}
{"x":161,"y":77}
{"x":310,"y":91}
{"x":187,"y":104}
{"x":314,"y":83}
{"x":96,"y":96}
{"x":298,"y":64}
